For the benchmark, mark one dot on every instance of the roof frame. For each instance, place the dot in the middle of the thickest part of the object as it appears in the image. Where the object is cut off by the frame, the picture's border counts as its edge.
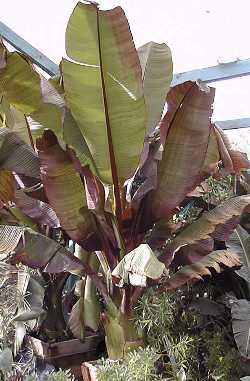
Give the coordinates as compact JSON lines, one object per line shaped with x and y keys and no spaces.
{"x":219,"y":72}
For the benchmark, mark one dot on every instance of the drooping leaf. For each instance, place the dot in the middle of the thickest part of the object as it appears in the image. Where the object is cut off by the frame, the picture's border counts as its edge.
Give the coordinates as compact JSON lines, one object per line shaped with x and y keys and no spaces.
{"x":207,"y":225}
{"x":183,"y":165}
{"x":14,"y":120}
{"x":30,"y":93}
{"x":110,"y":87}
{"x":17,"y":156}
{"x":235,"y":160}
{"x":137,"y":266}
{"x":239,"y":242}
{"x":65,"y":191}
{"x":189,"y":254}
{"x":240,"y":310}
{"x":39,"y":211}
{"x":157,"y":72}
{"x":16,"y":76}
{"x":42,"y":102}
{"x":36,"y":250}
{"x":193,"y":273}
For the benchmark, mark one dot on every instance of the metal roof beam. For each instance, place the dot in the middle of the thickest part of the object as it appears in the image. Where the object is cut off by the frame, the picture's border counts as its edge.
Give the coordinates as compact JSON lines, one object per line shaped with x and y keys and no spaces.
{"x":219,"y":72}
{"x":233,"y":123}
{"x":210,"y":74}
{"x":24,"y":47}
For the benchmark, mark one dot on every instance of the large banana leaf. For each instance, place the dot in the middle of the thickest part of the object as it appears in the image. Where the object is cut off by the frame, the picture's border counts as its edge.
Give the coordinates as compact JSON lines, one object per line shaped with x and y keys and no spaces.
{"x":29,"y":93}
{"x":185,"y":153}
{"x":104,"y":92}
{"x":157,"y":73}
{"x":65,"y":191}
{"x":239,"y":242}
{"x":195,"y":272}
{"x":207,"y":224}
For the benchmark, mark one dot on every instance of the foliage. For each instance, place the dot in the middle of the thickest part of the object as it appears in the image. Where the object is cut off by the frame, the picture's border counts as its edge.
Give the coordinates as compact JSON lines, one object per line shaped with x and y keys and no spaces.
{"x":188,"y":336}
{"x":54,"y":376}
{"x":138,"y":365}
{"x":92,"y":167}
{"x":218,"y":190}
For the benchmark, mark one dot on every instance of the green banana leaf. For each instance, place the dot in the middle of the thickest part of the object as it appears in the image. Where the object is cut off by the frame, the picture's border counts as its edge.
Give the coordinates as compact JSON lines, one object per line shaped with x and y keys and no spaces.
{"x":104,"y":89}
{"x":157,"y":73}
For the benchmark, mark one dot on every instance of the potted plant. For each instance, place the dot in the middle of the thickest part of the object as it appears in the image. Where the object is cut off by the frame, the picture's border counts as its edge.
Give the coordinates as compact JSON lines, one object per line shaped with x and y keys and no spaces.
{"x":104,"y":171}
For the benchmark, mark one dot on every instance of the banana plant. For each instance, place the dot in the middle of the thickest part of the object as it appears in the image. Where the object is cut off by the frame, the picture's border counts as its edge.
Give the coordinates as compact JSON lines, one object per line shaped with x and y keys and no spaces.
{"x":91,"y":160}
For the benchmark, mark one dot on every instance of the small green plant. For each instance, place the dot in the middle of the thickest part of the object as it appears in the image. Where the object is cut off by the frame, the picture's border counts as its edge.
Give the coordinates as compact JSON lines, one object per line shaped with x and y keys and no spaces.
{"x":61,"y":375}
{"x":217,"y":191}
{"x":138,"y":365}
{"x":186,"y":337}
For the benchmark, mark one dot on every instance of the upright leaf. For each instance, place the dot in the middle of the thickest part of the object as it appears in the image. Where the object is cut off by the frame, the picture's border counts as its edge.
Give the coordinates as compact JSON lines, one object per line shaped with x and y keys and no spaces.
{"x":184,"y":158}
{"x":105,"y":92}
{"x":157,"y":72}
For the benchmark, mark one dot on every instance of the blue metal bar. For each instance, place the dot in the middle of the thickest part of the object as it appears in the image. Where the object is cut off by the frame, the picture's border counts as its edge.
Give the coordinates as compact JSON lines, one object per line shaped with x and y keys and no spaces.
{"x":219,"y":72}
{"x":233,"y":124}
{"x":24,"y":47}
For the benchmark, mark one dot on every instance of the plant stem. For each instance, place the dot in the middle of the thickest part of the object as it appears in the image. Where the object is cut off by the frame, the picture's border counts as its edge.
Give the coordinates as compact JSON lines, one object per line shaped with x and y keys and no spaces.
{"x":29,"y":133}
{"x":109,"y":133}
